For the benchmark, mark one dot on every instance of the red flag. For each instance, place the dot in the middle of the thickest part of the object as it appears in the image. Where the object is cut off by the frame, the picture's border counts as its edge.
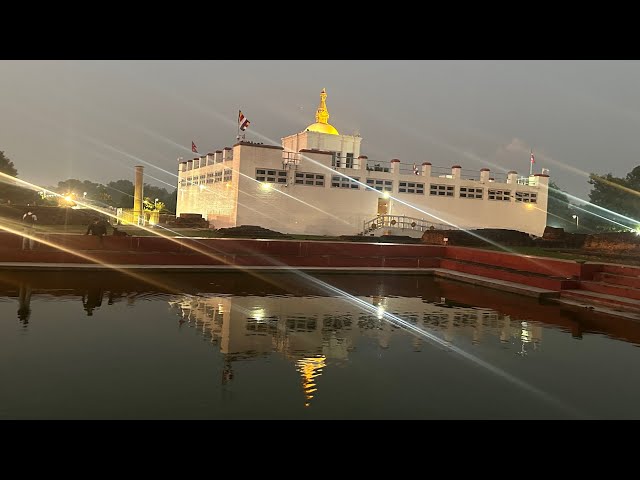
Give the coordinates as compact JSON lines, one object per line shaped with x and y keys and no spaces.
{"x":533,"y":160}
{"x":193,"y":147}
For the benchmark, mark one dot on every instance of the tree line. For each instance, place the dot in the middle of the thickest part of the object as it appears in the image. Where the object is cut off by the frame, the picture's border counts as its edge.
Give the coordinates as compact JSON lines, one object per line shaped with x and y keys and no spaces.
{"x":116,"y":194}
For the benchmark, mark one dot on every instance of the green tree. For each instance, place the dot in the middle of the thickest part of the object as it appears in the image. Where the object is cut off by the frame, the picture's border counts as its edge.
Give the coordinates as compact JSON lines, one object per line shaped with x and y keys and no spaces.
{"x":559,"y":213}
{"x":121,"y":192}
{"x":619,"y":195}
{"x":12,"y":193}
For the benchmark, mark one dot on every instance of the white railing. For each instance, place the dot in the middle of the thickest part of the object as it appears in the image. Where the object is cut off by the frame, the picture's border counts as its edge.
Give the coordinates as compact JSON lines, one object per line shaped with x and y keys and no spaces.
{"x":403,"y":223}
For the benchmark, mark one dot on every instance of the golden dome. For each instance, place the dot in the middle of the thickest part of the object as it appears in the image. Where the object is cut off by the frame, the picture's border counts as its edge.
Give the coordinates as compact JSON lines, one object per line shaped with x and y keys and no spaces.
{"x":322,"y":124}
{"x":322,"y":128}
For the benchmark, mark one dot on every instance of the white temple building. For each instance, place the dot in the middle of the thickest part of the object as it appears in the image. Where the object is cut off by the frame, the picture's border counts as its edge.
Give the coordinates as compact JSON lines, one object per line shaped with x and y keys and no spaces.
{"x":318,"y":183}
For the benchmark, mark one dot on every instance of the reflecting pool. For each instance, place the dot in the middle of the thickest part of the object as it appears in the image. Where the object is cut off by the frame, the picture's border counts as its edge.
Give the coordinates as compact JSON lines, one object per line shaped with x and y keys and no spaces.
{"x":280,"y":346}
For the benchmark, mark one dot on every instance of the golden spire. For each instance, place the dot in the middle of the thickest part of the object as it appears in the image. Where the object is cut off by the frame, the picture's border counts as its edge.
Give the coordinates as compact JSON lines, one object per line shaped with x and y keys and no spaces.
{"x":322,"y":124}
{"x":322,"y":114}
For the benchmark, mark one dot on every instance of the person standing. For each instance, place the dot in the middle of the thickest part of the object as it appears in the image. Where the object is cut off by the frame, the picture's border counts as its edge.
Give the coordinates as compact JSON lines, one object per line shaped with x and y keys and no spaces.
{"x":29,"y":220}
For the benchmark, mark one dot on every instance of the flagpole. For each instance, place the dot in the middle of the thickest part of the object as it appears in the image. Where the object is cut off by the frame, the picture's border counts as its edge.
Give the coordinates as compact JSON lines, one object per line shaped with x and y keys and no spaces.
{"x":238,"y":135}
{"x":531,"y":163}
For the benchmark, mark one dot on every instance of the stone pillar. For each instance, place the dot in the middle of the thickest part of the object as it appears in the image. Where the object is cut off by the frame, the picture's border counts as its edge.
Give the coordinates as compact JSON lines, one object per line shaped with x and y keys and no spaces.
{"x":395,"y":167}
{"x":512,"y":177}
{"x":218,"y":156}
{"x":137,"y":193}
{"x":227,"y":154}
{"x":362,"y":162}
{"x":426,"y":169}
{"x":484,"y":175}
{"x":456,"y":171}
{"x":210,"y":159}
{"x":189,"y":165}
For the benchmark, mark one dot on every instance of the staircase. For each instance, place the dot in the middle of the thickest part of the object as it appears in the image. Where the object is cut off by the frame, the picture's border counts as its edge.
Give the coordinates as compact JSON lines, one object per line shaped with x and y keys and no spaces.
{"x":399,"y":225}
{"x":615,"y":286}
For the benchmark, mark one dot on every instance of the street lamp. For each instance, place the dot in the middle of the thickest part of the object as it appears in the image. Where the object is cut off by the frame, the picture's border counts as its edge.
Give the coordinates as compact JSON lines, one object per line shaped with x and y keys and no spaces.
{"x":576,"y":218}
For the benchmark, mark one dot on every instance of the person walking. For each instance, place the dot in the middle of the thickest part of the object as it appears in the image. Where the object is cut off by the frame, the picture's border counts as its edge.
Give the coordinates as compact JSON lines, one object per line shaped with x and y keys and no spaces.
{"x":29,"y":220}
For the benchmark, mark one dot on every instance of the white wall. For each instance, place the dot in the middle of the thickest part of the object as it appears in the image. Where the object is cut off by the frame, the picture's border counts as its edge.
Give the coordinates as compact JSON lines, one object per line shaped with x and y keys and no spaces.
{"x":302,"y":209}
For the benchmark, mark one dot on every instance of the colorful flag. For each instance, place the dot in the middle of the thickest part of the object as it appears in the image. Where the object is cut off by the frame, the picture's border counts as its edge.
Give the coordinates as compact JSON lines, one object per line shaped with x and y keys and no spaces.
{"x":242,"y":121}
{"x":193,"y":147}
{"x":533,"y":160}
{"x":415,"y":169}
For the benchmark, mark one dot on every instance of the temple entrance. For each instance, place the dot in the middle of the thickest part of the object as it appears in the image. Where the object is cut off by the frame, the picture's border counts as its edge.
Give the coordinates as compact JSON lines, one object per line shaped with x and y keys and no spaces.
{"x":383,"y":206}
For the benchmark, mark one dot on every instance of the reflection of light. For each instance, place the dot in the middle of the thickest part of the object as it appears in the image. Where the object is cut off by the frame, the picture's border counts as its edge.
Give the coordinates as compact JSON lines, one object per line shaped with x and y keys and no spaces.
{"x":201,"y":187}
{"x":385,"y":195}
{"x":310,"y":368}
{"x":220,"y":308}
{"x":258,"y":314}
{"x":68,"y":198}
{"x":380,"y":312}
{"x":265,"y":186}
{"x":637,"y":230}
{"x":228,"y":184}
{"x":529,"y":206}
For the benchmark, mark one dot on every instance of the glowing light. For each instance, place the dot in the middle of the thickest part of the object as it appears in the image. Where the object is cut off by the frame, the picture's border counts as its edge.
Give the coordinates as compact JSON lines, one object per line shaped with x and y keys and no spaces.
{"x":201,"y":187}
{"x":638,"y":230}
{"x":530,"y":206}
{"x":265,"y":186}
{"x":259,"y":314}
{"x":380,"y":312}
{"x":386,"y":195}
{"x":228,"y":185}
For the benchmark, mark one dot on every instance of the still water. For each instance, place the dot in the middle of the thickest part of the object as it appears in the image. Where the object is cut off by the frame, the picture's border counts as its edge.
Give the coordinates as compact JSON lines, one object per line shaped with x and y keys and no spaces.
{"x":243,"y":346}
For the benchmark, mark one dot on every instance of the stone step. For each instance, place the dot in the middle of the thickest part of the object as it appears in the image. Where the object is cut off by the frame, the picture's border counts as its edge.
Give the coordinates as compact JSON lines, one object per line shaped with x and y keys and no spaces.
{"x":610,"y":289}
{"x":602,"y":299}
{"x":616,"y":279}
{"x":627,"y":270}
{"x":509,"y":275}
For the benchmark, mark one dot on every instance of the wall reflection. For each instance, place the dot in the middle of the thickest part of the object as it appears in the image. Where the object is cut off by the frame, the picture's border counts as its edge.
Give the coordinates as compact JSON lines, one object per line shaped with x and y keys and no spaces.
{"x":319,"y":332}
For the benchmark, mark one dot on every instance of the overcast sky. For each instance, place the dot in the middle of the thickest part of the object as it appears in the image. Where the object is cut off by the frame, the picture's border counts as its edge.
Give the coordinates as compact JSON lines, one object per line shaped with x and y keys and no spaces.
{"x":96,"y":120}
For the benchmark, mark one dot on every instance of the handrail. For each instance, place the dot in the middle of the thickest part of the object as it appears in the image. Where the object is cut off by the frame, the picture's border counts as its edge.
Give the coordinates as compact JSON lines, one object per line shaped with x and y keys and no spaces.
{"x":403,"y":222}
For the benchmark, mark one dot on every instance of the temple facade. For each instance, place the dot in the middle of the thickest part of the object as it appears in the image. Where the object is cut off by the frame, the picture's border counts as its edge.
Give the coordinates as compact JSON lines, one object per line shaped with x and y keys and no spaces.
{"x":319,"y":183}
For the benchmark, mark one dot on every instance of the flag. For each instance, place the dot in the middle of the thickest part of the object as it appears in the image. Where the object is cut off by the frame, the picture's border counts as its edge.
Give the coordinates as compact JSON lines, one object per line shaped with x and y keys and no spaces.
{"x":533,"y":160}
{"x":243,"y":123}
{"x":193,"y":147}
{"x":415,"y":169}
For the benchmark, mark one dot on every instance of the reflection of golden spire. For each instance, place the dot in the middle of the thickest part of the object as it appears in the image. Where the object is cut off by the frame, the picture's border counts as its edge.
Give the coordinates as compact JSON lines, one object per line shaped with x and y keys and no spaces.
{"x":310,"y":368}
{"x":322,"y":114}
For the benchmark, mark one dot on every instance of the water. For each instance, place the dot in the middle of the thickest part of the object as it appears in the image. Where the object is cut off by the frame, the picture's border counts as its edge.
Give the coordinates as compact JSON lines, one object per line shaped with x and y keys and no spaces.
{"x":239,"y":346}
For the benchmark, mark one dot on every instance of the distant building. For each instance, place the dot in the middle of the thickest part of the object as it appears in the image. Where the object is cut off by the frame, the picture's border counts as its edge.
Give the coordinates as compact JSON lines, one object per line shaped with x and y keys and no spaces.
{"x":317,"y":182}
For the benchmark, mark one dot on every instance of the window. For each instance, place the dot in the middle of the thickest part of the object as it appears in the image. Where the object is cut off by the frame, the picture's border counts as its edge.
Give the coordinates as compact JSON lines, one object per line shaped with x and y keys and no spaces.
{"x":218,"y":176}
{"x":183,"y":182}
{"x":380,"y":185}
{"x":338,"y":181}
{"x":502,"y":195}
{"x":349,"y":160}
{"x":411,"y":187}
{"x":441,"y":190}
{"x":227,"y":175}
{"x":335,"y":159}
{"x":470,"y":192}
{"x":315,"y":179}
{"x":271,"y":176}
{"x":527,"y":197}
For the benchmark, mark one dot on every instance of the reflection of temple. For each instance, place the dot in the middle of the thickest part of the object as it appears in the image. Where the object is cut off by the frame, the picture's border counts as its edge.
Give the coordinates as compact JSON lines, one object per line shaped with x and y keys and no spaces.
{"x":24,"y":303}
{"x":317,"y":331}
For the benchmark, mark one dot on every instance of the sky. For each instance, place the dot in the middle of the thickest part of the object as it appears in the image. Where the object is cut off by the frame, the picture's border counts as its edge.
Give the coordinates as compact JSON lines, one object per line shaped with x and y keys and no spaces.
{"x":96,"y":120}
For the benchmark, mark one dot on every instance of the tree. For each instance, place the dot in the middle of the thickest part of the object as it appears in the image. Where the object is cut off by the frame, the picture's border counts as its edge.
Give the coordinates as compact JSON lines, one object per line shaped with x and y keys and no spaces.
{"x":121,"y":192}
{"x":559,"y":213}
{"x":12,"y":193}
{"x":615,"y":195}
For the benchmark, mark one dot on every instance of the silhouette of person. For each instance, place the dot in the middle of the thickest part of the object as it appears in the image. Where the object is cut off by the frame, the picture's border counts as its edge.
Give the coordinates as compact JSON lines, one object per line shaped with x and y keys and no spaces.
{"x":29,"y":220}
{"x":98,"y":228}
{"x":24,"y":299}
{"x":92,"y":300}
